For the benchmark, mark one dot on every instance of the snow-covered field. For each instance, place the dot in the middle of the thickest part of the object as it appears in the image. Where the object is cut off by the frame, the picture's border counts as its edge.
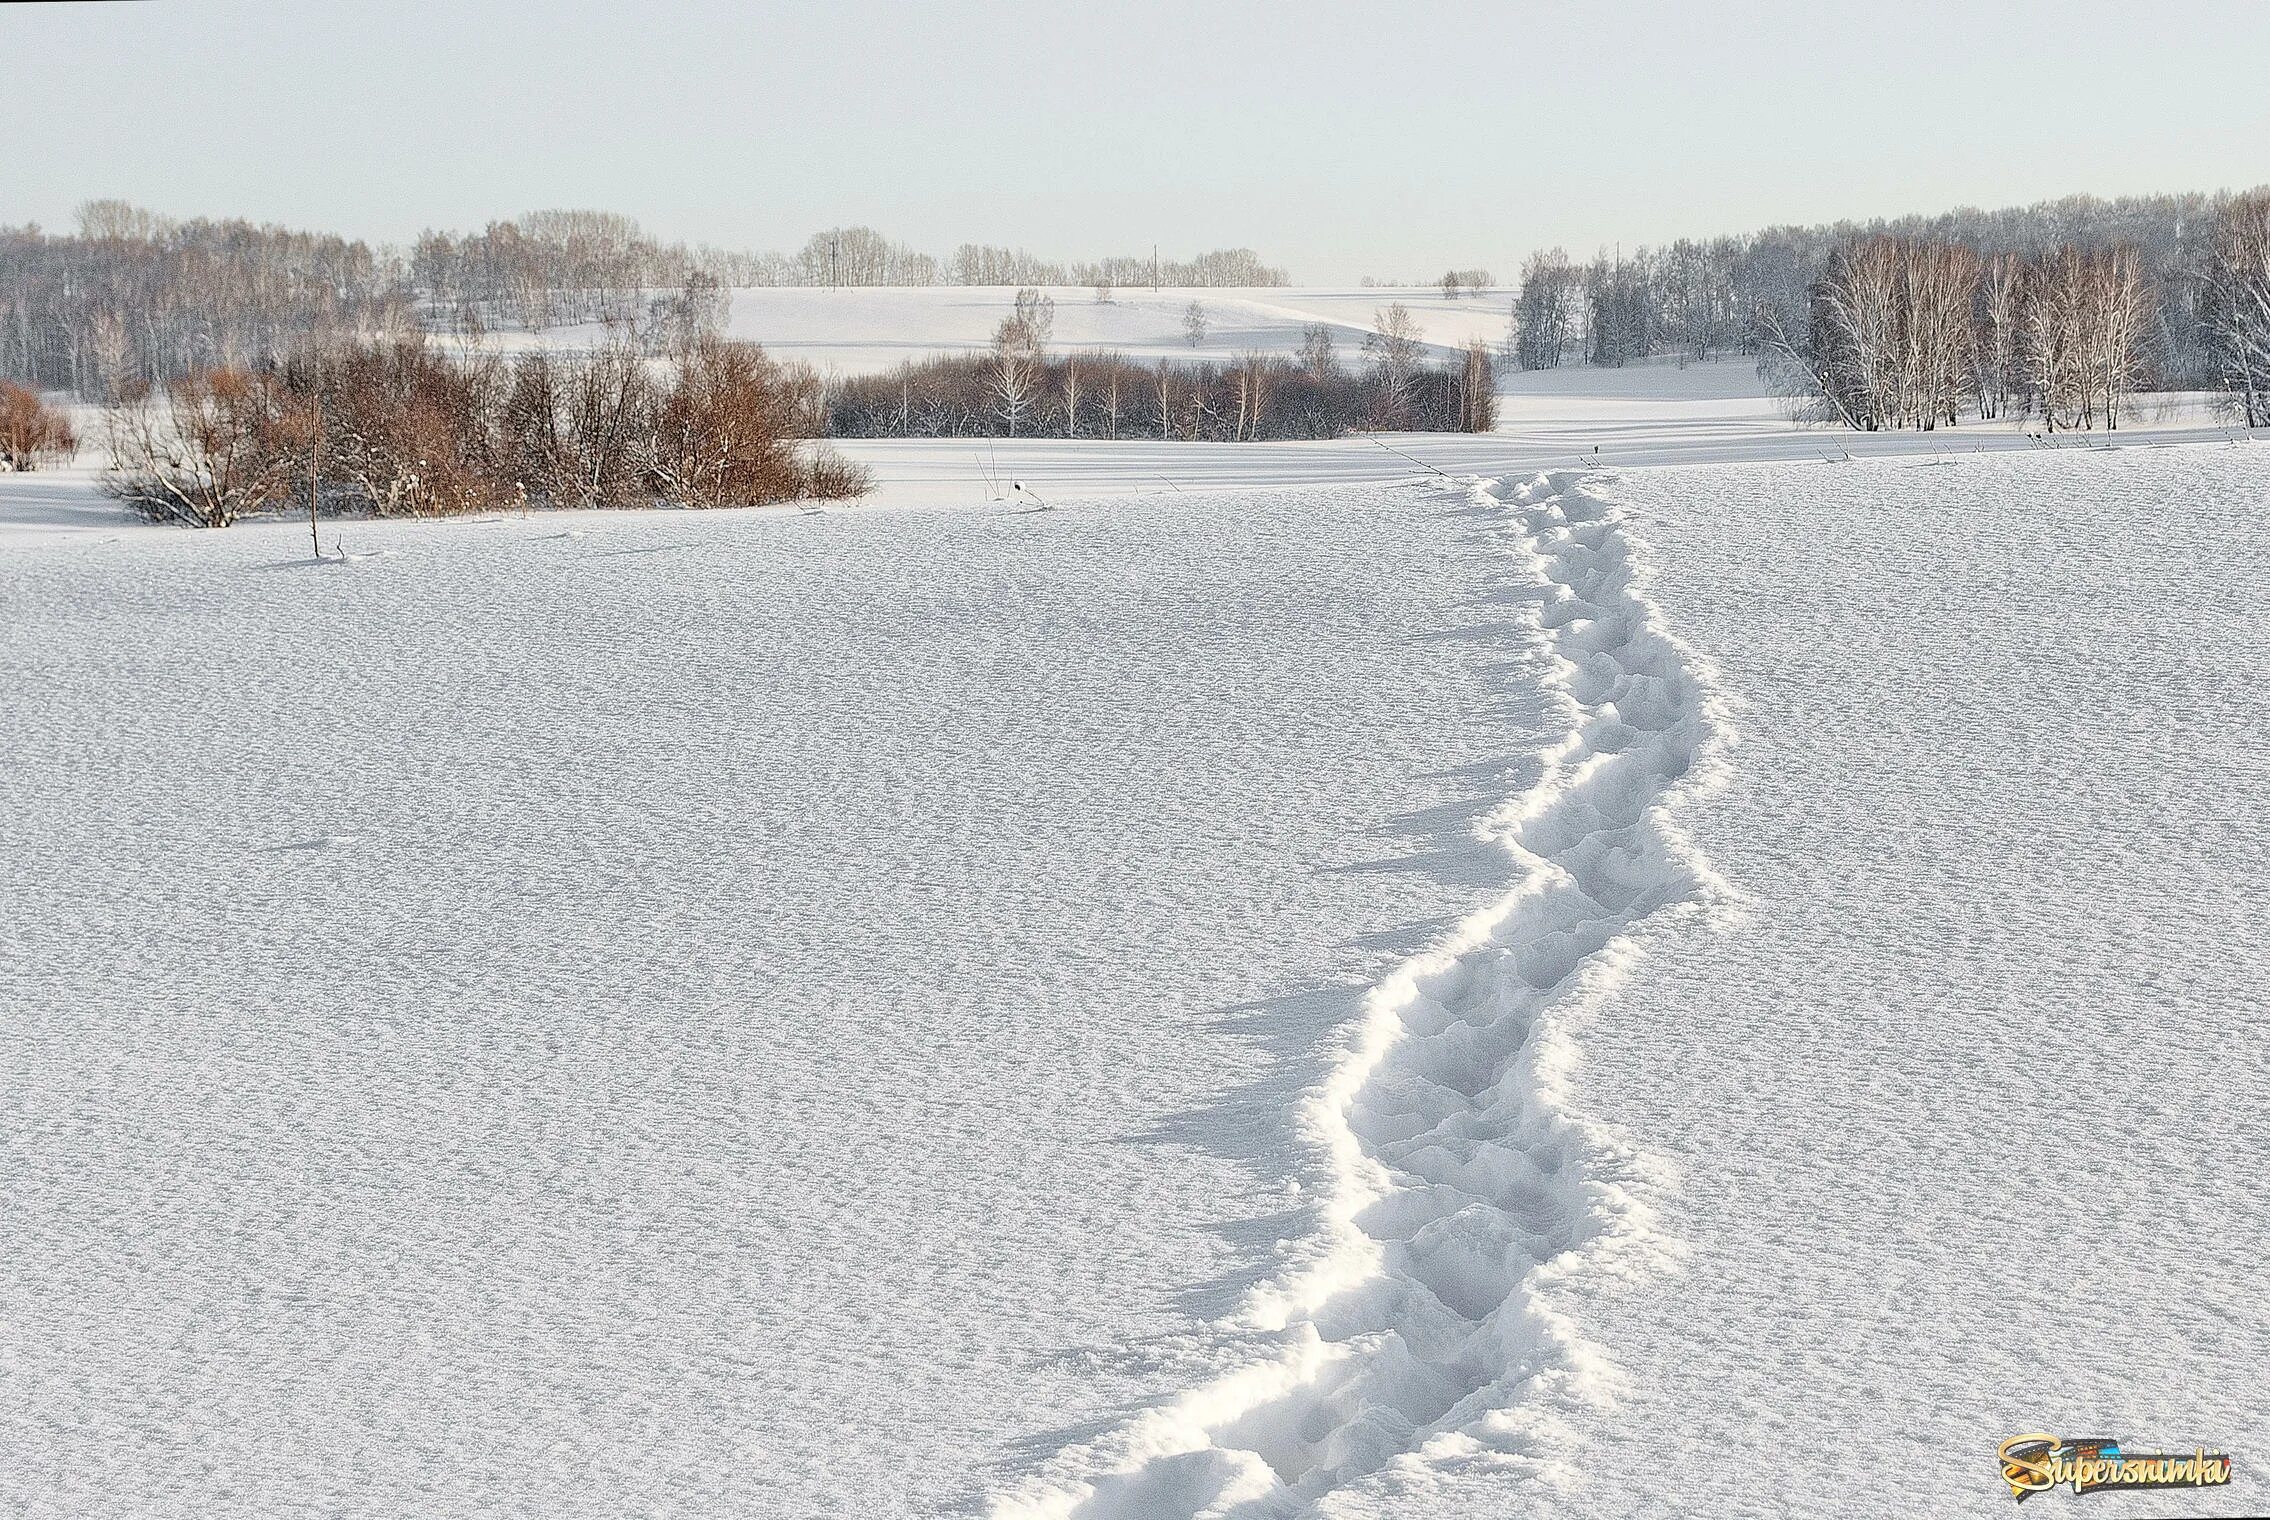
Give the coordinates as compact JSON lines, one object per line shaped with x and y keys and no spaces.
{"x":865,"y":330}
{"x":1718,"y":989}
{"x":751,"y":1013}
{"x":1969,"y":1111}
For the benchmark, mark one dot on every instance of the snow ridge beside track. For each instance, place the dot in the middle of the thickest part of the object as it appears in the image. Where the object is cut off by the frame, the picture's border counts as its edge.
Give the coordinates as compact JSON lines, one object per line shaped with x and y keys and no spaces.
{"x":1413,"y":1335}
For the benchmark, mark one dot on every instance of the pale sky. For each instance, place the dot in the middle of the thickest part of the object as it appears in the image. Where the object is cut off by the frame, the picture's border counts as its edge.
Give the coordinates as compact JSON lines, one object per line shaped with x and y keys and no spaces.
{"x":1337,"y":139}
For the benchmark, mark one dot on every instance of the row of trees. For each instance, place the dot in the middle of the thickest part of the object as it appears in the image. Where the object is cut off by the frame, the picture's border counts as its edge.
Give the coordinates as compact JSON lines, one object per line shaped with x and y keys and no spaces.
{"x":398,"y":429}
{"x":542,"y":270}
{"x":1702,"y":297}
{"x":1904,"y":332}
{"x":571,"y":266}
{"x":1911,"y":332}
{"x":1020,"y":390}
{"x":135,"y":297}
{"x":980,"y":264}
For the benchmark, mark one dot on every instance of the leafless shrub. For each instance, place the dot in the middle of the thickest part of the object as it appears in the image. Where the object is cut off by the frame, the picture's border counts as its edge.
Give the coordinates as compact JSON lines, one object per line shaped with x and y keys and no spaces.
{"x":32,"y":433}
{"x":1475,"y":389}
{"x":399,"y":430}
{"x":831,"y":477}
{"x":202,"y":450}
{"x":726,"y":432}
{"x":403,"y":431}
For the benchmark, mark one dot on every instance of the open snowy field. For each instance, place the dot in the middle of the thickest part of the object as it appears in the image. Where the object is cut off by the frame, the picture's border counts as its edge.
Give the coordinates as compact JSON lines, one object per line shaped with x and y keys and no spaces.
{"x":1730,"y":989}
{"x":1969,"y":1110}
{"x":858,"y":330}
{"x":747,"y":1013}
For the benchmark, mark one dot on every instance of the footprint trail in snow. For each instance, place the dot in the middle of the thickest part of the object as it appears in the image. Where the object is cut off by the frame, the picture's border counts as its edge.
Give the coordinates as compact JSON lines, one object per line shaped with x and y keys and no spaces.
{"x":1413,"y":1333}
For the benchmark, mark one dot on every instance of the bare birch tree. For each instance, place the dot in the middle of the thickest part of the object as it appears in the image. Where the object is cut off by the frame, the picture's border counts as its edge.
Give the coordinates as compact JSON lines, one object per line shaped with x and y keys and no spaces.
{"x":2236,"y":304}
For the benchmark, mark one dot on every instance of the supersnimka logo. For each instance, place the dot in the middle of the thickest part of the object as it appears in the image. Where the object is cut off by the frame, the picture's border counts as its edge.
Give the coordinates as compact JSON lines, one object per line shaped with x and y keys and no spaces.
{"x":2037,"y":1462}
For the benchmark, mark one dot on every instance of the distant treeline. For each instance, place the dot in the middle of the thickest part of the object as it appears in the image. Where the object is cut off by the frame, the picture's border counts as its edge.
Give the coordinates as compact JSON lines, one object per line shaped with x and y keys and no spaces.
{"x":135,"y":297}
{"x":1915,"y":332}
{"x":1742,"y":293}
{"x":1021,"y":390}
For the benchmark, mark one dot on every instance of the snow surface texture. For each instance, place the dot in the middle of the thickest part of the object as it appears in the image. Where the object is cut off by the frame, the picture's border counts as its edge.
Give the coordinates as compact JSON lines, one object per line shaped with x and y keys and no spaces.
{"x":795,"y":1015}
{"x":1970,"y":1114}
{"x":740,"y":1013}
{"x":1418,"y":1338}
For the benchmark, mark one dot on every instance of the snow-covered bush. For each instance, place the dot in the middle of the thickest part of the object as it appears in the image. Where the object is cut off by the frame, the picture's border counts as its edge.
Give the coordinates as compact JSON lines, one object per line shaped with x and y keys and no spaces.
{"x":204,"y":450}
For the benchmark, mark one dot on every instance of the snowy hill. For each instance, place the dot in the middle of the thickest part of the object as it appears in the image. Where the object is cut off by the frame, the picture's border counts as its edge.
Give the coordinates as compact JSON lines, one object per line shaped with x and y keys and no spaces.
{"x":869,"y":329}
{"x":862,"y":331}
{"x":1420,"y":997}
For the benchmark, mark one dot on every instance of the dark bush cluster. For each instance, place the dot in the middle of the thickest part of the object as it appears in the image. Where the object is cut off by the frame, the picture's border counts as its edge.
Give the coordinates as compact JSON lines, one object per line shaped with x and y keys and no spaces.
{"x":400,"y":430}
{"x":32,"y":433}
{"x":1103,"y":395}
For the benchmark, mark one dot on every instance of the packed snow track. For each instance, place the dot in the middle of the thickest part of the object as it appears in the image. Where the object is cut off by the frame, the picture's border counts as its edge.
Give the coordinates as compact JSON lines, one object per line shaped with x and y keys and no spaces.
{"x":1417,"y":1337}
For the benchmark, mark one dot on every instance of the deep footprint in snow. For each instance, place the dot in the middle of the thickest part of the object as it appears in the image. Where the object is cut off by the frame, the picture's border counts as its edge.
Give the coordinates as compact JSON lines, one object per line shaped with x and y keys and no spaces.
{"x":1417,"y":1327}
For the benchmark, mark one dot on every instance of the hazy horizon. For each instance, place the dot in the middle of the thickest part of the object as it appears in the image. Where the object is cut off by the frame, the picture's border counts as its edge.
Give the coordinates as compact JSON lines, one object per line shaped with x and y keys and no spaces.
{"x":1337,"y":142}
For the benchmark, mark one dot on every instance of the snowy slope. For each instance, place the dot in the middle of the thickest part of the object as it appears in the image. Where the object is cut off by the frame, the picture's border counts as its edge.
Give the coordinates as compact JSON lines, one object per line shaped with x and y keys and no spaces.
{"x":865,"y":330}
{"x":1234,"y":1004}
{"x":746,"y":1013}
{"x":1970,"y":1112}
{"x":868,"y":329}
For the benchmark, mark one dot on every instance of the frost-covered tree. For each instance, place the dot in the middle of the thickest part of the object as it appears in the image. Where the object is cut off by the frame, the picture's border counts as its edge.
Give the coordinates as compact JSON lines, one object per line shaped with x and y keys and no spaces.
{"x":1035,"y":317}
{"x":1395,"y":347}
{"x":2001,"y":293}
{"x":1544,"y":314}
{"x":1619,"y":308}
{"x":1014,"y":377}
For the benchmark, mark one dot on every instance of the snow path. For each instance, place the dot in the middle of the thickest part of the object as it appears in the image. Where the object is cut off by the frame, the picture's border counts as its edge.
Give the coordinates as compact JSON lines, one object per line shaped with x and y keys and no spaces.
{"x":1415,"y":1331}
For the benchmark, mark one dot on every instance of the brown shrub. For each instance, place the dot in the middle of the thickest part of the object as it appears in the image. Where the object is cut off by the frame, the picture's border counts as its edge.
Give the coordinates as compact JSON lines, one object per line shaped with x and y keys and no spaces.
{"x":203,"y":451}
{"x":397,"y":429}
{"x":726,"y":430}
{"x":32,"y":433}
{"x":828,"y":476}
